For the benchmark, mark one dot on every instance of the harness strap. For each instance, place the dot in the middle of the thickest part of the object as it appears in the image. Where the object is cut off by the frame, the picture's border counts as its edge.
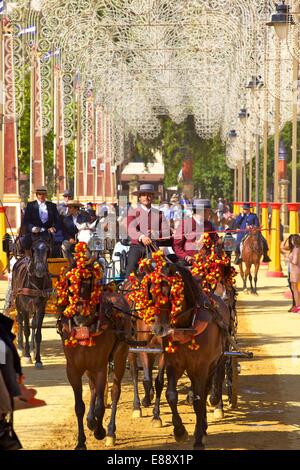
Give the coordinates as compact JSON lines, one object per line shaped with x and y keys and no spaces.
{"x":34,"y":292}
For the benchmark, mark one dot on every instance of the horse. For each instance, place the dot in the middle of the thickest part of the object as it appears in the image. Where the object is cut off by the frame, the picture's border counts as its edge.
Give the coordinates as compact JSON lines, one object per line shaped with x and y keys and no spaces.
{"x":201,"y":361}
{"x":109,"y":333}
{"x":251,"y":255}
{"x":145,"y":337}
{"x":31,"y":287}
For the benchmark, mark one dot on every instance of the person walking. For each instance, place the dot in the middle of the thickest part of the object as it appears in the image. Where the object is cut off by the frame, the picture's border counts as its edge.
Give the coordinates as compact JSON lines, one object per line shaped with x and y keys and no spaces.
{"x":294,"y":260}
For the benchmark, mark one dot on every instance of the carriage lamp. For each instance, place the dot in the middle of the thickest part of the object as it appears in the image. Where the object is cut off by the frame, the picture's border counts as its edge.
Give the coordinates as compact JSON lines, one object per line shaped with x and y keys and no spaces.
{"x":281,"y":19}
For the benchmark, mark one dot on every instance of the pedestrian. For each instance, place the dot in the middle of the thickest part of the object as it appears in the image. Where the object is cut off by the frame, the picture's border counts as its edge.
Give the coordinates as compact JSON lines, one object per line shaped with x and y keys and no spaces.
{"x":294,"y":260}
{"x":285,"y":248}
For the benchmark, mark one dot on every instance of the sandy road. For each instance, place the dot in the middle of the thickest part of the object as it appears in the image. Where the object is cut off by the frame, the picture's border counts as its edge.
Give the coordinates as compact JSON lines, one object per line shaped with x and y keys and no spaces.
{"x":268,"y":415}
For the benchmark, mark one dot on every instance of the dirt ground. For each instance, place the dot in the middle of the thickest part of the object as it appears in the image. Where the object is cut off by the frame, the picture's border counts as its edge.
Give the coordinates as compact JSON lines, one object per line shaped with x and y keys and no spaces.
{"x":268,"y":413}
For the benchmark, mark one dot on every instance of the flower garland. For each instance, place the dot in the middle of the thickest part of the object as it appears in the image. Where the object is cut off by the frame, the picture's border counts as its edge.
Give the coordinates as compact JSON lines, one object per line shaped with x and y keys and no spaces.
{"x":69,"y":284}
{"x":209,"y":268}
{"x":153,"y":280}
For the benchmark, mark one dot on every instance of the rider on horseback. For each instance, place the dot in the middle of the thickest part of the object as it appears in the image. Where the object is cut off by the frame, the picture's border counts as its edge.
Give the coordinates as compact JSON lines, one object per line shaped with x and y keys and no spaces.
{"x":41,"y":219}
{"x":189,"y":231}
{"x":242,"y":223}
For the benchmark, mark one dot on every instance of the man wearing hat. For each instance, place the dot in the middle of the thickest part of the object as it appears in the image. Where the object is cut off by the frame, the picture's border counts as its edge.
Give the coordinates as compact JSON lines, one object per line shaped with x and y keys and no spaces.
{"x":242,"y":223}
{"x":62,"y":206}
{"x":190,"y":230}
{"x":145,"y":224}
{"x":69,"y":221}
{"x":40,"y":218}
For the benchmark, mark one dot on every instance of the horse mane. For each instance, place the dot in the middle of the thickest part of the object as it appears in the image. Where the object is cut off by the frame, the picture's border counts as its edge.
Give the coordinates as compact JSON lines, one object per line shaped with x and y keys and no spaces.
{"x":192,"y":292}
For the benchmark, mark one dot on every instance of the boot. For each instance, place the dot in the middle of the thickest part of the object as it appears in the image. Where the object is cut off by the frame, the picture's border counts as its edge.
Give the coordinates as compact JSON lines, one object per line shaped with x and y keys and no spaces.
{"x":266,"y":258}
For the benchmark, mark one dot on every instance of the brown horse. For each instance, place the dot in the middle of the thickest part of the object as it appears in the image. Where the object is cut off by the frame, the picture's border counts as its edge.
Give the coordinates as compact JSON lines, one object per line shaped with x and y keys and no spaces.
{"x":251,"y":255}
{"x":200,"y":363}
{"x":144,"y":336}
{"x":110,"y":334}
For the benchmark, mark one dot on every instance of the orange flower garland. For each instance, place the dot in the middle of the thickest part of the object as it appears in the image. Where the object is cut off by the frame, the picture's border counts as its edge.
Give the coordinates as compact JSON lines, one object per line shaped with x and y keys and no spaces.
{"x":69,"y":284}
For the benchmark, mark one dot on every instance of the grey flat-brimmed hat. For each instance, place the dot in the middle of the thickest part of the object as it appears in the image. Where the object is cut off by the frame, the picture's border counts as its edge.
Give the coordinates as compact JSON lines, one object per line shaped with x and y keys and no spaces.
{"x":202,"y":203}
{"x":67,"y":193}
{"x":74,"y":203}
{"x":145,"y":188}
{"x":41,"y":189}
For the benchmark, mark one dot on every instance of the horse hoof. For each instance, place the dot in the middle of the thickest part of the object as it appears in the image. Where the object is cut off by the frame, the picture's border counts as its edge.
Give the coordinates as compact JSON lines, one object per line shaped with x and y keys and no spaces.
{"x":110,"y":441}
{"x":190,"y":398}
{"x":137,"y":413}
{"x":80,"y":447}
{"x":146,"y":403}
{"x":38,"y":365}
{"x":99,"y":434}
{"x":218,"y":413}
{"x":199,"y":446}
{"x":27,"y":360}
{"x":91,"y":424}
{"x":156,"y":423}
{"x":182,"y":437}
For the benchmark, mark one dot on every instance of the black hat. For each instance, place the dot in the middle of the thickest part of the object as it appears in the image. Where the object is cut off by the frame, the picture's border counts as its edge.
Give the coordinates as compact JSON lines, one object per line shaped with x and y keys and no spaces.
{"x":201,"y":204}
{"x":247,"y":205}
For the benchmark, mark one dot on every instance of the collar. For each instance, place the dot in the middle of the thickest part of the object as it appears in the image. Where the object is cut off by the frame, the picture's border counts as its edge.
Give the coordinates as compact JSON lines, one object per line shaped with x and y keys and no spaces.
{"x":40,"y":203}
{"x":145,"y":208}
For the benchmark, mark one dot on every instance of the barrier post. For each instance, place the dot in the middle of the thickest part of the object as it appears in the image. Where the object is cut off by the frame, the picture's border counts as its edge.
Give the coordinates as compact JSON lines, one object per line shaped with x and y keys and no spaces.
{"x":293,"y":208}
{"x":275,"y":265}
{"x":3,"y":256}
{"x":265,"y":221}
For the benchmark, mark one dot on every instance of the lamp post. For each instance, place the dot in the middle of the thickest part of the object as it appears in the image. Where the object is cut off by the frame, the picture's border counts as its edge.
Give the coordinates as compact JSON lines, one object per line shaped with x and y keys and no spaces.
{"x":254,"y":85}
{"x":283,"y":183}
{"x":280,"y":21}
{"x":243,"y":115}
{"x":232,"y":135}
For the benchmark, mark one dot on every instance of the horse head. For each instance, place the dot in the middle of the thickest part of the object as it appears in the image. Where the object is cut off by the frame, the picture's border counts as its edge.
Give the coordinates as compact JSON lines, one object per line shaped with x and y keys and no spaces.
{"x":161,"y":326}
{"x":40,"y":252}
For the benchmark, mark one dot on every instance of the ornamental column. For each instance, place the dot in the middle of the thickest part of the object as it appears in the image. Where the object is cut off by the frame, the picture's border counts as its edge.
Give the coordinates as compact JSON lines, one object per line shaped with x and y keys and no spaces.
{"x":90,"y":150}
{"x":293,"y":208}
{"x":99,"y":154}
{"x":275,"y":266}
{"x":79,"y":157}
{"x":107,"y":171}
{"x":11,"y":195}
{"x":36,"y":125}
{"x":59,"y":137}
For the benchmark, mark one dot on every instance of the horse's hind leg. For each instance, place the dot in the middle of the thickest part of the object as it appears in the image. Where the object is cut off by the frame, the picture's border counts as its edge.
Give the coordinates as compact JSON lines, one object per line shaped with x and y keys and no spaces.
{"x":147,"y":382}
{"x":159,"y":385}
{"x":255,"y":278}
{"x":216,"y":389}
{"x":74,"y":378}
{"x":100,"y":379}
{"x":251,"y":284}
{"x":20,"y":333}
{"x":120,"y":357}
{"x":200,"y":394}
{"x":91,"y":420}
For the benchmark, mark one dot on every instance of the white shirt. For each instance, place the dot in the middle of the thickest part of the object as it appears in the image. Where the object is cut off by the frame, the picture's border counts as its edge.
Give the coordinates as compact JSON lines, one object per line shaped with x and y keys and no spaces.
{"x":145,"y":208}
{"x":43,"y":211}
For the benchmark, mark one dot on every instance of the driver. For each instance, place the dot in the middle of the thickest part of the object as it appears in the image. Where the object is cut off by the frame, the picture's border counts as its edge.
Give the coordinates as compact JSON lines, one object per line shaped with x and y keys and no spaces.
{"x":70,"y":230}
{"x":242,"y":223}
{"x":41,"y":218}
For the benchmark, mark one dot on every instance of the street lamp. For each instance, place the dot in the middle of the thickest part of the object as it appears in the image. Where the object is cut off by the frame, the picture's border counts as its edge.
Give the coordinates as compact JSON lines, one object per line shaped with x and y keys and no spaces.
{"x":281,"y":19}
{"x":243,"y":115}
{"x":232,"y":135}
{"x":254,"y":85}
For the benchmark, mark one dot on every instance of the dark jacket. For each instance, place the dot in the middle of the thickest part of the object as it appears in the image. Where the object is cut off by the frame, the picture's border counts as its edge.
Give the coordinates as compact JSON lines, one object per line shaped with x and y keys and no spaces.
{"x":8,"y":337}
{"x":32,"y":217}
{"x":69,"y":228}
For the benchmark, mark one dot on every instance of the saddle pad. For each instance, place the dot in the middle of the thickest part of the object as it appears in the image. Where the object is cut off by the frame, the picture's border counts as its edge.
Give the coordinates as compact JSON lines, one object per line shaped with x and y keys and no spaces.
{"x":82,"y":332}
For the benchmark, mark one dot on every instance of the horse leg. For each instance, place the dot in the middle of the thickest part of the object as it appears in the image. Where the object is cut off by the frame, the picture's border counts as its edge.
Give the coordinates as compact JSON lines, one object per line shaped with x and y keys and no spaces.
{"x":200,"y":393}
{"x":137,"y":411}
{"x":120,"y":356}
{"x":146,"y":401}
{"x":255,"y":278}
{"x":247,"y":273}
{"x":180,"y":432}
{"x":100,"y":381}
{"x":159,"y":385}
{"x":216,"y":389}
{"x":38,"y":339}
{"x":74,"y":378}
{"x":20,"y":333}
{"x":243,"y":276}
{"x":91,"y":420}
{"x":250,"y":279}
{"x":27,"y":357}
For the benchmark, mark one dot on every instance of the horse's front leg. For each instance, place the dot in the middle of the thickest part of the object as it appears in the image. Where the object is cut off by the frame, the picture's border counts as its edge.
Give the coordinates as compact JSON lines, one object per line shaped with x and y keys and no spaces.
{"x":74,"y":378}
{"x":159,"y":385}
{"x":216,"y":399}
{"x":120,"y":357}
{"x":200,"y":394}
{"x":20,"y":333}
{"x":100,"y":381}
{"x":243,"y":276}
{"x":137,"y":411}
{"x":147,"y":364}
{"x":255,"y":278}
{"x":27,"y":357}
{"x":180,"y":432}
{"x":91,"y":421}
{"x":38,"y":338}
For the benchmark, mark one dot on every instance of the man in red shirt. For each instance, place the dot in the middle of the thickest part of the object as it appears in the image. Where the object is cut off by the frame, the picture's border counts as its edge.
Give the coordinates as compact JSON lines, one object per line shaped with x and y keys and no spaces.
{"x":145,"y":224}
{"x":190,"y":230}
